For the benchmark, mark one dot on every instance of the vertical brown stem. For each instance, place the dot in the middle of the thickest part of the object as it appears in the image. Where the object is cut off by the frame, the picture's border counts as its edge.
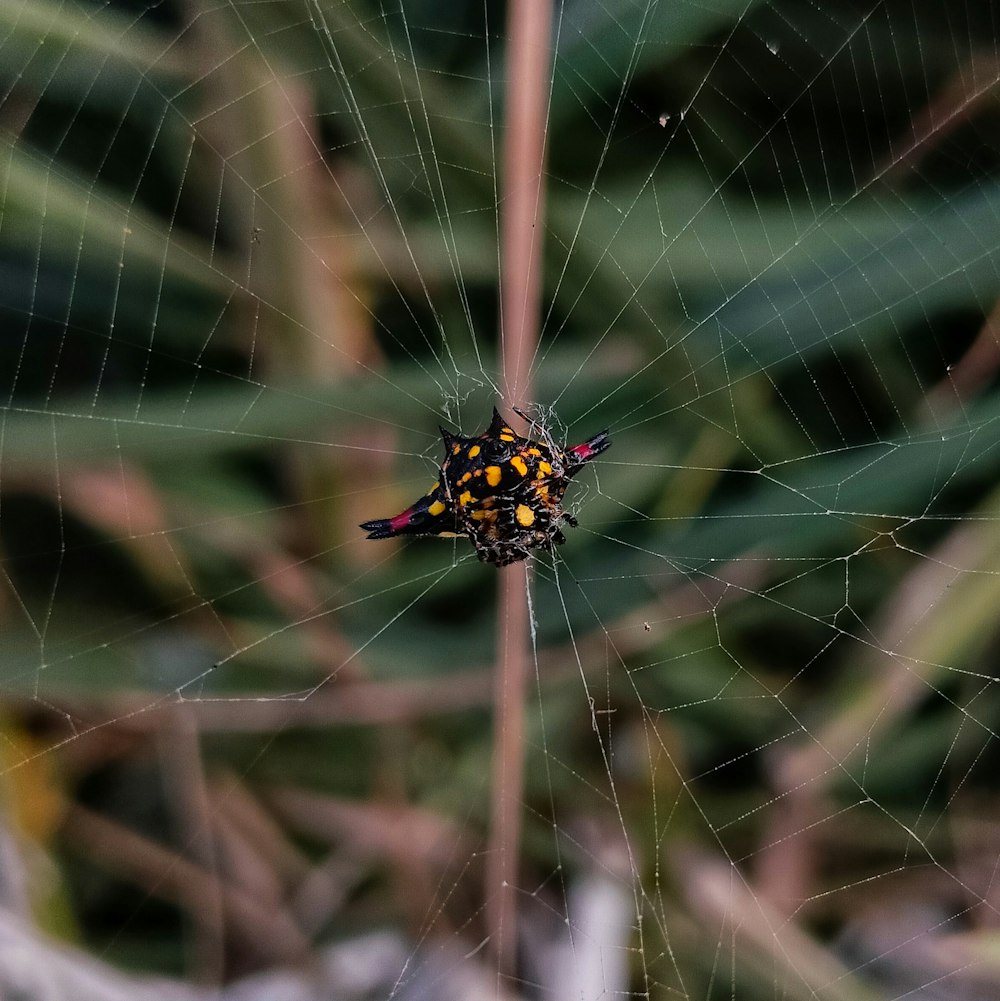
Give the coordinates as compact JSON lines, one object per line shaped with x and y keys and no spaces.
{"x":508,"y":765}
{"x":528,"y":68}
{"x":523,"y":202}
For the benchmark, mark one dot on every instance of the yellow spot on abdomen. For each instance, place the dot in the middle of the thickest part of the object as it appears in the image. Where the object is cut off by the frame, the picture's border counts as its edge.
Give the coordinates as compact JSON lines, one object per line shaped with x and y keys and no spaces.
{"x":493,"y":475}
{"x":544,"y":468}
{"x":463,"y":498}
{"x":525,"y":516}
{"x":507,"y":437}
{"x":519,"y":464}
{"x":436,"y":508}
{"x":474,"y":451}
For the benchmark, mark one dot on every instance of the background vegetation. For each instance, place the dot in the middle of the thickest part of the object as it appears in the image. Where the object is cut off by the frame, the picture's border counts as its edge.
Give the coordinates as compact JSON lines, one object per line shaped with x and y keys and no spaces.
{"x":248,"y":264}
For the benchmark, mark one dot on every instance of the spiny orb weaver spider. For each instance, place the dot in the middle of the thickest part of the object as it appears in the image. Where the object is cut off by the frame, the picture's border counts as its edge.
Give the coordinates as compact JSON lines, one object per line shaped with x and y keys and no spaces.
{"x":502,"y":491}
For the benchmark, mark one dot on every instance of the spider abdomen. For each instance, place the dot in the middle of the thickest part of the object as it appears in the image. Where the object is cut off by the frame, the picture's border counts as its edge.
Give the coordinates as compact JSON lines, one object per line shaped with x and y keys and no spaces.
{"x":501,"y":490}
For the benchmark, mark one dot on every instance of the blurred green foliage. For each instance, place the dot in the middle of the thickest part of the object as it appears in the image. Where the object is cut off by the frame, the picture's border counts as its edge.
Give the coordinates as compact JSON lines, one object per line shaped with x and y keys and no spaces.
{"x":248,"y":264}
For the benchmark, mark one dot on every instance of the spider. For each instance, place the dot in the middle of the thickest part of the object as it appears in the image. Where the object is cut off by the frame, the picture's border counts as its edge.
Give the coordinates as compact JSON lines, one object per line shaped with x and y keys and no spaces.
{"x":503,"y":492}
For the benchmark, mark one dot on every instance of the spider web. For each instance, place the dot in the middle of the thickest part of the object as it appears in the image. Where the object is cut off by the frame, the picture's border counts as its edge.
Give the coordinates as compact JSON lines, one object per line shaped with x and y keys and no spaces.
{"x":248,"y":265}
